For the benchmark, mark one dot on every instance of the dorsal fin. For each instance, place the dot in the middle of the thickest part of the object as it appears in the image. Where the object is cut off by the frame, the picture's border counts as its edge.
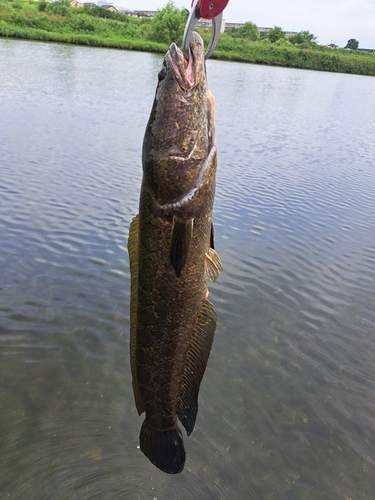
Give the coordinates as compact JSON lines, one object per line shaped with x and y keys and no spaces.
{"x":182,"y":232}
{"x":133,"y":261}
{"x":196,"y":362}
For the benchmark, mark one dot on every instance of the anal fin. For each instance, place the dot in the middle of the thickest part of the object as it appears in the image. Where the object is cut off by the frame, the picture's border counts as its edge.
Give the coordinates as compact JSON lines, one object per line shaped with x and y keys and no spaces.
{"x":133,"y":261}
{"x":182,"y":232}
{"x":196,"y":362}
{"x":212,"y":265}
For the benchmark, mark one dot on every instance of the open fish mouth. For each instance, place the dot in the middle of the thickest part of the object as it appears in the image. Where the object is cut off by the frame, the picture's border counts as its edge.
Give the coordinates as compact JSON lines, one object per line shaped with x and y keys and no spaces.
{"x":183,"y":70}
{"x":187,"y":72}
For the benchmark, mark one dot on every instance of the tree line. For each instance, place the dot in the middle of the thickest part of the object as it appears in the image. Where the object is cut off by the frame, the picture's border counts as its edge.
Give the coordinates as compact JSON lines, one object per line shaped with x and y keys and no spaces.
{"x":97,"y":26}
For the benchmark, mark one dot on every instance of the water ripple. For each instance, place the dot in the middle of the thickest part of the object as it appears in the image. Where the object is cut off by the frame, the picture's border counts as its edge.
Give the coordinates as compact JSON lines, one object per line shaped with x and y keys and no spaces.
{"x":286,"y":404}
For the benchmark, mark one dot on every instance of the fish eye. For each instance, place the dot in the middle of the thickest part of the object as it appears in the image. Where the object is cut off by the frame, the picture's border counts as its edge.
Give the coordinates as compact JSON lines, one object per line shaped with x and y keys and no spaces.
{"x":162,"y":74}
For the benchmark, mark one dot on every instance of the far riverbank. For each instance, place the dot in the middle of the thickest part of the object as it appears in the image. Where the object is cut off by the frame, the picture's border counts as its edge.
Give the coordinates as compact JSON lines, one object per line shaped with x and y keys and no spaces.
{"x":62,"y":23}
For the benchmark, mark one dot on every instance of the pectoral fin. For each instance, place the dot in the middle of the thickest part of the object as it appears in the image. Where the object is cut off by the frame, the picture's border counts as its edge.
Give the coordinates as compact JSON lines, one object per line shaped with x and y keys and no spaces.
{"x":133,"y":260}
{"x":212,"y":265}
{"x":212,"y":242}
{"x":196,"y":362}
{"x":182,"y":232}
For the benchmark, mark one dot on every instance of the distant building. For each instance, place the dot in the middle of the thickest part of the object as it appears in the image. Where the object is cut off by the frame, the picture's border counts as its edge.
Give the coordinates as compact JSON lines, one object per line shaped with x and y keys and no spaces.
{"x":207,"y":24}
{"x":109,"y":7}
{"x":103,"y":4}
{"x":332,"y":46}
{"x":145,"y":13}
{"x":261,"y":30}
{"x":128,"y":12}
{"x":288,"y":34}
{"x":137,"y":13}
{"x":232,"y":26}
{"x":75,"y":3}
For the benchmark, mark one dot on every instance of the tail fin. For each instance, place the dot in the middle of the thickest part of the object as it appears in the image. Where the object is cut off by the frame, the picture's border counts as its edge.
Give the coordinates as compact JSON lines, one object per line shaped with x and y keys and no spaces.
{"x":165,"y":449}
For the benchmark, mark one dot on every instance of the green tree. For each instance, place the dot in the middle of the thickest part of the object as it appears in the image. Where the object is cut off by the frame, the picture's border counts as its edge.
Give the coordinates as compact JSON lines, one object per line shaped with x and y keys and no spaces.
{"x":275,"y":34}
{"x":62,"y":7}
{"x":168,"y":24}
{"x":42,"y":6}
{"x":247,"y":30}
{"x":303,"y":38}
{"x":352,"y":44}
{"x":185,"y":13}
{"x":98,"y":11}
{"x":283,"y":42}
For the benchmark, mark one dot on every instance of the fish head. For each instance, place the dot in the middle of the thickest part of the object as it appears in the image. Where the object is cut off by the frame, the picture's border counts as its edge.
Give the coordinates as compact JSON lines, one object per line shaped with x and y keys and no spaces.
{"x":185,"y":74}
{"x":180,"y":131}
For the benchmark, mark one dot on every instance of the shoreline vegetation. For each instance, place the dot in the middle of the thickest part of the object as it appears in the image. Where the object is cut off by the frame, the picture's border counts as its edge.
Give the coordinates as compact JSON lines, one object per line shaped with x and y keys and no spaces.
{"x":99,"y":27}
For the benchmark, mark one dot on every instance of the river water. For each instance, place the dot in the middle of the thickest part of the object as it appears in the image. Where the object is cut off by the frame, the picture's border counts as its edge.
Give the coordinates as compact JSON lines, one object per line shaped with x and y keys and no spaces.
{"x":287,"y":404}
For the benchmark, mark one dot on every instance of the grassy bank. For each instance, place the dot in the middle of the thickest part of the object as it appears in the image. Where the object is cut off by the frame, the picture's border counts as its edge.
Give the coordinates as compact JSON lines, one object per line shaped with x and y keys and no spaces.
{"x":315,"y":58}
{"x":119,"y":42}
{"x":60,"y":23}
{"x":57,"y":22}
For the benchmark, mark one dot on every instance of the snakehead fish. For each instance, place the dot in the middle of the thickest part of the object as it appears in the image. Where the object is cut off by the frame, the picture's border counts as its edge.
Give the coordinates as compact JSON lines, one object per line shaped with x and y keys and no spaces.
{"x":171,"y":250}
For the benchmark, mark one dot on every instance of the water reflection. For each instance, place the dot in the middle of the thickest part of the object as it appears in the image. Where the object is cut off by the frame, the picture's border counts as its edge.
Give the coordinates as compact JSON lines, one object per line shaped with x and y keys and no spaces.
{"x":286,"y":406}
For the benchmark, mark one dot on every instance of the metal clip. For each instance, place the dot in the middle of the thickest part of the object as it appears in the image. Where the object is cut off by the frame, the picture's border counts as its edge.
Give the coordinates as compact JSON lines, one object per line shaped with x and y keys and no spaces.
{"x":191,"y":23}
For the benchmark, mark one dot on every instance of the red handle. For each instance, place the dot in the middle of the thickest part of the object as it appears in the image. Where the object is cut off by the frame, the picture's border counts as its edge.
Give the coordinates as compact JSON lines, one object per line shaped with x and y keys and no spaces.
{"x":208,"y":9}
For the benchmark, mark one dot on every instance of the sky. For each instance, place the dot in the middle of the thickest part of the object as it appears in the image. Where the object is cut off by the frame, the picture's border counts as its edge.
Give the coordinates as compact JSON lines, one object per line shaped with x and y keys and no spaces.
{"x":332,"y":21}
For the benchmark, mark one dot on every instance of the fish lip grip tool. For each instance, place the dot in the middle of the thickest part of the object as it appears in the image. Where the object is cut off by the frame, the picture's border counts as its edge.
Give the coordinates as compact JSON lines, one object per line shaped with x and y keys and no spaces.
{"x":206,"y":9}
